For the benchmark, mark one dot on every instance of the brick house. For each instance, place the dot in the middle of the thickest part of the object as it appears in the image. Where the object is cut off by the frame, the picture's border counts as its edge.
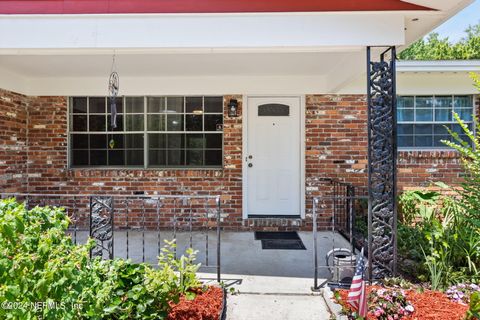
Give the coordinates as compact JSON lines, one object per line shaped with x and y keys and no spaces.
{"x":297,"y":87}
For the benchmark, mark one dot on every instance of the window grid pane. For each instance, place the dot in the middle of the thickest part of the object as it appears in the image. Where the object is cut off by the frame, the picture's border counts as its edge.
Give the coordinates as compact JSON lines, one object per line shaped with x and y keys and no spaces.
{"x":422,"y":119}
{"x":171,"y":132}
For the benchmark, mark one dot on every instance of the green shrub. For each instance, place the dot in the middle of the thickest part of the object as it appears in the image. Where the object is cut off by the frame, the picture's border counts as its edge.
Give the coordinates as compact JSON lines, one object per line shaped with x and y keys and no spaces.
{"x":40,"y":263}
{"x":449,"y":226}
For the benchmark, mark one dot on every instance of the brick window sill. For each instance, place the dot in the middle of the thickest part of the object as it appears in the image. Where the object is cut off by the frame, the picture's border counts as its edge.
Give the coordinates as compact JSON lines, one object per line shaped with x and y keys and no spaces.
{"x":444,"y":154}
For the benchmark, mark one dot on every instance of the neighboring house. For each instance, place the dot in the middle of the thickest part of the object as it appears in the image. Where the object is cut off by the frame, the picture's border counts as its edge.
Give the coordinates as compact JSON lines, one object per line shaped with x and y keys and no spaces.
{"x":296,"y":76}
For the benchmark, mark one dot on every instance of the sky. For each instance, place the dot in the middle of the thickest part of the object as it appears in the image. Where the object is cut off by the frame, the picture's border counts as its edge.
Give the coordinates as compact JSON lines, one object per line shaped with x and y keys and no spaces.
{"x":455,"y":27}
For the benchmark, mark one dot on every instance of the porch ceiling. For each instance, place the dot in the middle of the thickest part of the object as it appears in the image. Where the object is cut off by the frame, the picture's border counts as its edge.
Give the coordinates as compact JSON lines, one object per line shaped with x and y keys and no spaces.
{"x":253,"y":53}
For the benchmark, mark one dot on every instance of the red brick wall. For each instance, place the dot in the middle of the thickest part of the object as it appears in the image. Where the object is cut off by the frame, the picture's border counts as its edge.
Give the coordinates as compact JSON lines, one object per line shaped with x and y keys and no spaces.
{"x":13,"y":141}
{"x":48,"y":161}
{"x":336,"y":147}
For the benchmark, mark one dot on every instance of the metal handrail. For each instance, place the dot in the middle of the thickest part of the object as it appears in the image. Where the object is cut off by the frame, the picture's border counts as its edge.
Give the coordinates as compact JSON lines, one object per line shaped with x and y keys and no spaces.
{"x":140,"y":224}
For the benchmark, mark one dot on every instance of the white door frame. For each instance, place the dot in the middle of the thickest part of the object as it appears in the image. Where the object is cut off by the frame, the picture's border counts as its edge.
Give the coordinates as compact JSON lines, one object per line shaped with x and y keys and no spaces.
{"x":245,"y":148}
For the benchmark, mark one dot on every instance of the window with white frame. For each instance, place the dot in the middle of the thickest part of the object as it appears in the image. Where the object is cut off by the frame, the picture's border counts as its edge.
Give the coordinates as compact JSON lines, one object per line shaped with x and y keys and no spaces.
{"x":152,"y":132}
{"x":423,"y":120}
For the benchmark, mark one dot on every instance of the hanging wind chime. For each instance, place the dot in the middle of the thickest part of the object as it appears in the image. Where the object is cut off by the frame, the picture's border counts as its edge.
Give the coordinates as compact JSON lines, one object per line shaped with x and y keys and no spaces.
{"x":113,"y":87}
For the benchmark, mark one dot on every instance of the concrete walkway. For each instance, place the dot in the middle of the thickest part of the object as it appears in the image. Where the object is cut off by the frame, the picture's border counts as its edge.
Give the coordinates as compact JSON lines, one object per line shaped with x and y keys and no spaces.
{"x":275,"y":298}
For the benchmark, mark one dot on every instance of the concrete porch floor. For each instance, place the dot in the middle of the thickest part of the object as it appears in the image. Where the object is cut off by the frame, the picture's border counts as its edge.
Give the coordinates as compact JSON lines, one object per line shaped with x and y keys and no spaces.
{"x":241,"y":254}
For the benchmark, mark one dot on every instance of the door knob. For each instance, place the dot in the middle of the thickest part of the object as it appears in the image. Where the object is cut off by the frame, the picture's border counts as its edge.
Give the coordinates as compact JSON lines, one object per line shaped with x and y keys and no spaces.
{"x":250,"y":165}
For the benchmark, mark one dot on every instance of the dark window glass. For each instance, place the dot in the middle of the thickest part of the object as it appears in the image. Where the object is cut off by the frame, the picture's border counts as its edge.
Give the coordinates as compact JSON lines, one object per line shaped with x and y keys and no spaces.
{"x":194,"y":122}
{"x":181,"y":131}
{"x":134,"y":105}
{"x":440,"y":129}
{"x":443,"y":102}
{"x":98,"y":141}
{"x":443,"y":115}
{"x":405,"y":129}
{"x":176,"y":158}
{"x":213,"y":122}
{"x":98,"y":157}
{"x":135,"y":157}
{"x":463,"y":102}
{"x":80,"y":141}
{"x":134,"y":141}
{"x":195,"y":141}
{"x":157,"y":157}
{"x":175,"y":141}
{"x":405,"y":102}
{"x":175,"y":122}
{"x":156,"y":104}
{"x":405,"y":141}
{"x":424,"y":102}
{"x":79,"y":105}
{"x":213,"y":141}
{"x":213,"y":157}
{"x":116,"y":157}
{"x":97,"y":123}
{"x":424,"y":114}
{"x":423,"y":129}
{"x":213,"y":104}
{"x":134,"y":122}
{"x":430,"y":117}
{"x":194,"y":158}
{"x":79,"y":157}
{"x":423,"y":141}
{"x":405,"y":114}
{"x":79,"y":123}
{"x":175,"y":104}
{"x":157,"y":141}
{"x":156,"y":122}
{"x":97,"y":105}
{"x":194,"y":105}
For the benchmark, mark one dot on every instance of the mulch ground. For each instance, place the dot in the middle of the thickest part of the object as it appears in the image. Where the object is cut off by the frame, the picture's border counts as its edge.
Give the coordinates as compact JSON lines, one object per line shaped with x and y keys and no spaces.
{"x":429,"y":305}
{"x":206,"y":306}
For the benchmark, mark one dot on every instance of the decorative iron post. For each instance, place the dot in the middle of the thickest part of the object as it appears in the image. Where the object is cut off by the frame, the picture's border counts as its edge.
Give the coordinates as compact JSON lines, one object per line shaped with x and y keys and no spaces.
{"x":101,"y":226}
{"x":382,"y":153}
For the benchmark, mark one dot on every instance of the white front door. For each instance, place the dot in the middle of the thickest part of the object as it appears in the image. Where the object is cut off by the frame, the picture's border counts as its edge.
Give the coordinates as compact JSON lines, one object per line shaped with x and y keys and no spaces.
{"x":272,"y":156}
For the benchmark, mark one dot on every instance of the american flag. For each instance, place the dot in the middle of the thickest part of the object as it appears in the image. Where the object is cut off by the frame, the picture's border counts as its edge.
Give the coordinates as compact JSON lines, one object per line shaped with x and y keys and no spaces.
{"x":357,"y":295}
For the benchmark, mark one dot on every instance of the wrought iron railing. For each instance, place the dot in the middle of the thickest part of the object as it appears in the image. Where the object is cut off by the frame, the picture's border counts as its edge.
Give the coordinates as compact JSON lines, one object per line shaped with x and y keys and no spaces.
{"x":343,"y":210}
{"x":136,"y":226}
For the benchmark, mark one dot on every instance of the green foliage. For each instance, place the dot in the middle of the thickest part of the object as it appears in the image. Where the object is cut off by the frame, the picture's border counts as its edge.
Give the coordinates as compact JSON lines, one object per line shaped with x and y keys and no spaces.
{"x":435,"y":48}
{"x":446,"y":228}
{"x":417,"y":203}
{"x":474,"y":307}
{"x":40,"y":263}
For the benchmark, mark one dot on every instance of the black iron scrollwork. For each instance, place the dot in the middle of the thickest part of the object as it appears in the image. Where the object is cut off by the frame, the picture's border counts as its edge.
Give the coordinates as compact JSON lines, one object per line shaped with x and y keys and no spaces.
{"x":382,"y":165}
{"x":101,"y":226}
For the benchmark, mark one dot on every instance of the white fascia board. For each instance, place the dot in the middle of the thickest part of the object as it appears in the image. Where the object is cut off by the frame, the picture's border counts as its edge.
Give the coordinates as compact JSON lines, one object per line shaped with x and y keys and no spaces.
{"x":439,"y":66}
{"x":146,"y":32}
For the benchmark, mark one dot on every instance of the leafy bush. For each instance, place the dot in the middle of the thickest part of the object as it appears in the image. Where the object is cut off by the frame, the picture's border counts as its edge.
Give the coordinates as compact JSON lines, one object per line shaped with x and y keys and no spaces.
{"x":40,"y":263}
{"x":446,"y":228}
{"x":474,"y":308}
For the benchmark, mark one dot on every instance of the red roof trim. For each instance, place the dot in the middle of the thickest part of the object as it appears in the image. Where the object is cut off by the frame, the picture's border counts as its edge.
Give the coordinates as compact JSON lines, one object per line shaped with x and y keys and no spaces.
{"x":197,"y":6}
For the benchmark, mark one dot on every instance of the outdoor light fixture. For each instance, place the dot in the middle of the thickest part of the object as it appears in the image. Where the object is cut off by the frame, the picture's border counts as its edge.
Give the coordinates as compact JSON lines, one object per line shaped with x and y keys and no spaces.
{"x":233,"y":108}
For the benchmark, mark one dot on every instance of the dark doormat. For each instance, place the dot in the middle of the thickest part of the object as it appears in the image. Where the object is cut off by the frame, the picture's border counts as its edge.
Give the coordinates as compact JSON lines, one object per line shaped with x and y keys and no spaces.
{"x":278,"y":244}
{"x":282,"y":235}
{"x":280,"y":240}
